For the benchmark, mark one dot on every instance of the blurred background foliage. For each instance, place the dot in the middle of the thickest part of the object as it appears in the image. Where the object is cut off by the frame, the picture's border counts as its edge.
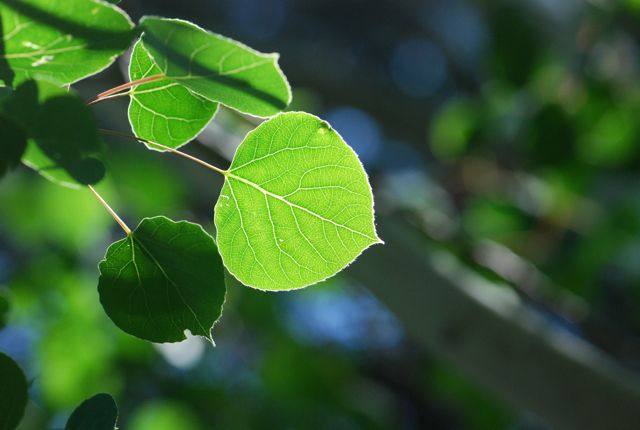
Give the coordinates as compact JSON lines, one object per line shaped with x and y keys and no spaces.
{"x":504,"y":132}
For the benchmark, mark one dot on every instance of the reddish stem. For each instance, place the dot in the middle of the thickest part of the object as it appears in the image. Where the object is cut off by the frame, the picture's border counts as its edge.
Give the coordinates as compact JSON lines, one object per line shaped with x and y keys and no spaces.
{"x":125,"y":86}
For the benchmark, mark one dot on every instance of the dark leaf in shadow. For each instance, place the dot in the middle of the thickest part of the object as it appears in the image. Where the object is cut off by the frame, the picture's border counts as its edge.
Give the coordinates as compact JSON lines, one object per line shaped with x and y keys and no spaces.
{"x":13,"y":142}
{"x":13,"y":393}
{"x":100,"y":412}
{"x":64,"y":140}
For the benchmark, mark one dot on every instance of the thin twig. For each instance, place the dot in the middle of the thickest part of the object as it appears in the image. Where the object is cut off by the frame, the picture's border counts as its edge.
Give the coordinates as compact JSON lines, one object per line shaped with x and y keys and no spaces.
{"x":105,"y":94}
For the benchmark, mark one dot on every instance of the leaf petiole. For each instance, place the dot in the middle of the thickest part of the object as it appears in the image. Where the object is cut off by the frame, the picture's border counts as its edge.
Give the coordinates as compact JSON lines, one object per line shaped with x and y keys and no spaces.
{"x":166,"y":148}
{"x":115,"y":216}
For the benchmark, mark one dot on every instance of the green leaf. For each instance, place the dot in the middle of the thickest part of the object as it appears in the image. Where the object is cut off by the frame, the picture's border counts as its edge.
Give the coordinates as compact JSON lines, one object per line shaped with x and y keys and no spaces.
{"x":60,"y":41}
{"x":164,"y":278}
{"x":164,"y":111}
{"x":13,"y":393}
{"x":100,"y":412}
{"x":12,"y":145}
{"x":219,"y":69}
{"x":296,"y":206}
{"x":63,"y":137}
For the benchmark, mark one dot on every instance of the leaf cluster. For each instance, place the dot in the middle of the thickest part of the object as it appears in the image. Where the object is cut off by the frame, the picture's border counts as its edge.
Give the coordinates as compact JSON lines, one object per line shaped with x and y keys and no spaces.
{"x":296,"y":206}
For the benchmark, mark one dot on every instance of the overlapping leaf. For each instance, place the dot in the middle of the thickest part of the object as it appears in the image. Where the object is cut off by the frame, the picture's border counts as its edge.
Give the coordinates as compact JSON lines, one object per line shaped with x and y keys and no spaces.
{"x":164,"y":278}
{"x":296,"y":206}
{"x":164,"y":111}
{"x":61,"y":41}
{"x":215,"y":67}
{"x":100,"y":412}
{"x":63,"y":138}
{"x":13,"y":393}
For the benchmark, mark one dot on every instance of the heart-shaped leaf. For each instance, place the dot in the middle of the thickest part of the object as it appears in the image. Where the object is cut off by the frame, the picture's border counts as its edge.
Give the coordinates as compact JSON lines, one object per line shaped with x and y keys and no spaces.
{"x":164,"y":111}
{"x":296,"y":206}
{"x":162,"y":279}
{"x":215,"y":67}
{"x":100,"y":412}
{"x":63,"y":138}
{"x":60,"y":41}
{"x":13,"y":393}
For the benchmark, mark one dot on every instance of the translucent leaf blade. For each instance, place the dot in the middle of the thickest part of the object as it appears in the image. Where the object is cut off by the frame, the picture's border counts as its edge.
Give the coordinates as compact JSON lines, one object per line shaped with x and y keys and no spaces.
{"x":164,"y":278}
{"x":217,"y":68}
{"x":164,"y":111}
{"x":60,"y":41}
{"x":296,"y":206}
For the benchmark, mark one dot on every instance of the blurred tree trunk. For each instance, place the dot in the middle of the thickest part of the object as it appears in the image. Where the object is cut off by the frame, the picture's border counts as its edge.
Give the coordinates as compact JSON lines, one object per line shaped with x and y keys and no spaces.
{"x":491,"y":335}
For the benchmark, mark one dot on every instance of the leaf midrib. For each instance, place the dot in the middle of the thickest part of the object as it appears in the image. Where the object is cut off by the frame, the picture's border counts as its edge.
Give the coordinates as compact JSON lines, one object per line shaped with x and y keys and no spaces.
{"x":229,"y":176}
{"x":175,"y":286}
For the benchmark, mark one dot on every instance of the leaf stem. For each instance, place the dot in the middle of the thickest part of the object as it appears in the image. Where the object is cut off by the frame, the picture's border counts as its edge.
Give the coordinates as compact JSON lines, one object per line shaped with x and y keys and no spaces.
{"x":115,"y":216}
{"x":105,"y":94}
{"x":166,"y":148}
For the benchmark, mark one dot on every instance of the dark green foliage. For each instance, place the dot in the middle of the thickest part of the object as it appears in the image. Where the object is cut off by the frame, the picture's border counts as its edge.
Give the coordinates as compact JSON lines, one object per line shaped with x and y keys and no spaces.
{"x":4,"y":310}
{"x":100,"y":412}
{"x":164,"y":278}
{"x":13,"y":393}
{"x":62,"y":131}
{"x":13,"y":143}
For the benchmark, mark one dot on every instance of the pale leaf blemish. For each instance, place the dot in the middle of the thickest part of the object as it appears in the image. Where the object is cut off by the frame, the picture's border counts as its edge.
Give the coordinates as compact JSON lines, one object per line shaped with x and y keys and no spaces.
{"x":42,"y":60}
{"x":31,"y":45}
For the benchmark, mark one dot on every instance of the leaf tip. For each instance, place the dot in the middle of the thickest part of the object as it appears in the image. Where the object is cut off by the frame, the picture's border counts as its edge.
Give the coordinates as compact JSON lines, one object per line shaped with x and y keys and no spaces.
{"x":209,"y":339}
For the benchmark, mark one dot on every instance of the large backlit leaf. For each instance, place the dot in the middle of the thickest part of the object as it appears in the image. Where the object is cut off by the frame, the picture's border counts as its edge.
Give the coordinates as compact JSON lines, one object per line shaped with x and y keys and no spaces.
{"x":296,"y":206}
{"x":100,"y":412}
{"x":164,"y":111}
{"x":13,"y":393}
{"x":217,"y":68}
{"x":63,"y":138}
{"x":13,"y":142}
{"x":62,"y":41}
{"x":164,"y":278}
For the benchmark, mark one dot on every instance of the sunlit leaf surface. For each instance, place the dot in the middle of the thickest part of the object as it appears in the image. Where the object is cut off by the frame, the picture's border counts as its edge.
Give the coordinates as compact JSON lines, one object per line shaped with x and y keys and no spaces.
{"x":61,"y":41}
{"x":215,"y":67}
{"x":296,"y":206}
{"x":164,"y":111}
